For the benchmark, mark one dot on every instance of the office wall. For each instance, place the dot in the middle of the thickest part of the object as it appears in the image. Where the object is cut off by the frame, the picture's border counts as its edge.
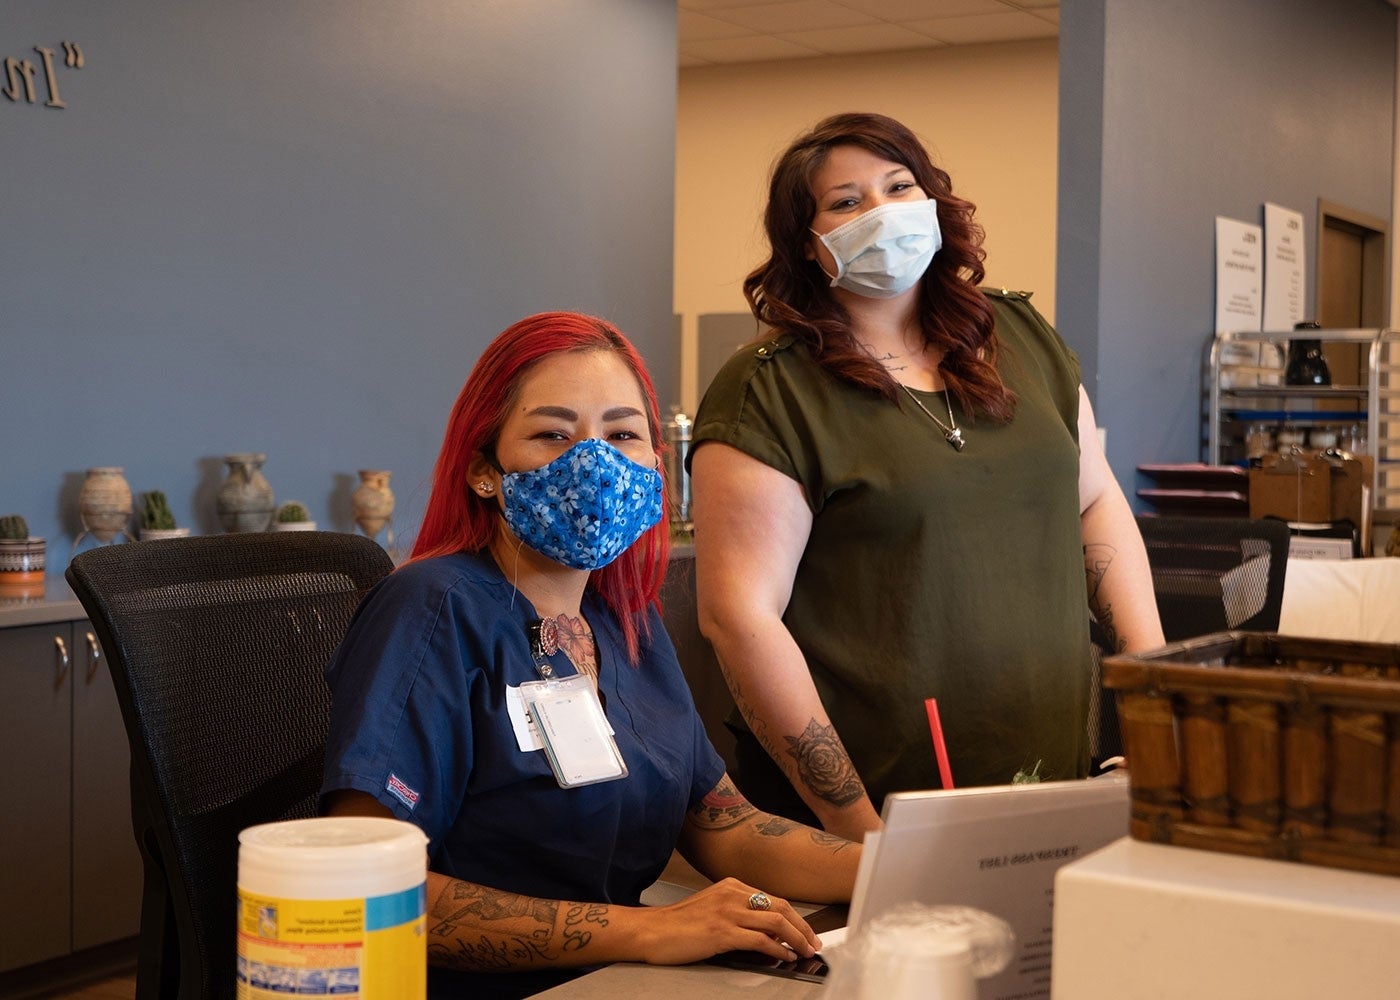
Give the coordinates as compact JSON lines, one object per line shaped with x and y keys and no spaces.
{"x":289,"y":226}
{"x":987,"y":112}
{"x":1172,"y":114}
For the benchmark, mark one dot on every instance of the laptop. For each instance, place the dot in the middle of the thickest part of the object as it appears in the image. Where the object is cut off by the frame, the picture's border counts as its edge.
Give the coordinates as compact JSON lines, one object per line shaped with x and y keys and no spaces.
{"x":995,"y":848}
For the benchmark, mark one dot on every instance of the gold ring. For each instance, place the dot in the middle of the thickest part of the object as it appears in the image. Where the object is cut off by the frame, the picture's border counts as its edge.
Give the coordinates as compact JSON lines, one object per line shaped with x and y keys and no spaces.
{"x":759,"y":901}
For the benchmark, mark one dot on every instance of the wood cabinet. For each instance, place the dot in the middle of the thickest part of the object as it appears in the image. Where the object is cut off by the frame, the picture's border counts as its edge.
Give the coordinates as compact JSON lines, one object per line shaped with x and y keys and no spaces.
{"x":70,"y":873}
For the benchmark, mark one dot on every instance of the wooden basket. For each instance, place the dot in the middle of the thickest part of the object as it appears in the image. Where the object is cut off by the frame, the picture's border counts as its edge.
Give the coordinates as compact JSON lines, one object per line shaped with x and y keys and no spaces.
{"x":1266,"y":745}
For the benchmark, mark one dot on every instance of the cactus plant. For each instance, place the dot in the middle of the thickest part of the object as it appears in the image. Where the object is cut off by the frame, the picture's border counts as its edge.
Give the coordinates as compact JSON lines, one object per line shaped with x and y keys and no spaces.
{"x":292,"y":511}
{"x":14,"y":527}
{"x":155,"y":512}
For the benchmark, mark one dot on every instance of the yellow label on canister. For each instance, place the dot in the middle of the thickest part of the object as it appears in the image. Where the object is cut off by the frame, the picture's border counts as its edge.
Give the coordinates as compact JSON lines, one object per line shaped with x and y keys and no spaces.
{"x":293,"y":942}
{"x":350,"y":948}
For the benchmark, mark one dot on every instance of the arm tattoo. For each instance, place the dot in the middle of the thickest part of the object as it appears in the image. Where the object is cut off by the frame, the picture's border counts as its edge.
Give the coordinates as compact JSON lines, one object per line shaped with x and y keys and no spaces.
{"x":824,"y":766}
{"x":777,"y":826}
{"x":1098,"y":557}
{"x":478,"y":929}
{"x":722,"y":807}
{"x":576,"y":933}
{"x":823,"y":839}
{"x":774,"y":826}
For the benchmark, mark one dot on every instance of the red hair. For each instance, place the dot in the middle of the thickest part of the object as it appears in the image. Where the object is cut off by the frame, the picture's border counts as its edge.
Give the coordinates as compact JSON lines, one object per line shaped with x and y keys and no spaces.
{"x":788,"y":291}
{"x":457,"y":520}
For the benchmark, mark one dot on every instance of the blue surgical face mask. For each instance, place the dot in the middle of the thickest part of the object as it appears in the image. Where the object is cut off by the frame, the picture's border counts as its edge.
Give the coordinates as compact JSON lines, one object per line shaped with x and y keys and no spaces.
{"x":585,"y":508}
{"x":885,"y":251}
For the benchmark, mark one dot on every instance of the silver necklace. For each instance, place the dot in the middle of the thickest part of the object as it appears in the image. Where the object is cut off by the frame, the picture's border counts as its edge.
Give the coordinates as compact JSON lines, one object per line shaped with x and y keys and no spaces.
{"x":951,"y":432}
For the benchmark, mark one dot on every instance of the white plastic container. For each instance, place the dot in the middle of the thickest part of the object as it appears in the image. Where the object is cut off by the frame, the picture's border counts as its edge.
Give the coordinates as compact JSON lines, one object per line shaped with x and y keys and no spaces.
{"x":334,"y":906}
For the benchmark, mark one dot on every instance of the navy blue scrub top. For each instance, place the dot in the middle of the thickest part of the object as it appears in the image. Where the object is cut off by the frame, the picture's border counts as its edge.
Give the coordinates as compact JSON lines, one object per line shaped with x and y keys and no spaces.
{"x":419,"y":721}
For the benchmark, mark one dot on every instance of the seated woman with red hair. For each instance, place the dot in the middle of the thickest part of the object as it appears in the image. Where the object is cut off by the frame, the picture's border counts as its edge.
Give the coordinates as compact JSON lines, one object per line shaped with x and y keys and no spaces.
{"x":512,"y":691}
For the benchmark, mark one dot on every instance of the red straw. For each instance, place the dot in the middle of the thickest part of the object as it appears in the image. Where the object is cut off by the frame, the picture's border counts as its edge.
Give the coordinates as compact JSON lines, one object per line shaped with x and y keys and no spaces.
{"x":940,"y":749}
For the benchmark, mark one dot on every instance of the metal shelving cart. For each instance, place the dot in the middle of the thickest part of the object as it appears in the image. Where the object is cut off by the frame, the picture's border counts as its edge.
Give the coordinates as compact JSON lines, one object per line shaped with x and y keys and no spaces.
{"x":1243,"y":416}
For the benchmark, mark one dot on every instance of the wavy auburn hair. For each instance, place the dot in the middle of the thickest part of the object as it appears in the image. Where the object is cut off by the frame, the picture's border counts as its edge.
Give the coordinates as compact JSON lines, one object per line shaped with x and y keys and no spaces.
{"x":458,"y":520}
{"x":788,"y":291}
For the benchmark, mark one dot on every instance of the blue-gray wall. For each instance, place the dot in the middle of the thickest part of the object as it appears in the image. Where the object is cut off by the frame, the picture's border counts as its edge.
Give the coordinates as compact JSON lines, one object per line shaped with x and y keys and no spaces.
{"x":290,"y":226}
{"x":1174,"y":113}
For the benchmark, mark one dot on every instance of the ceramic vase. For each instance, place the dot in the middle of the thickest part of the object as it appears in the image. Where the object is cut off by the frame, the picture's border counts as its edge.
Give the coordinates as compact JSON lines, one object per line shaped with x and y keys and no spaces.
{"x":373,"y":501}
{"x":245,"y":499}
{"x":21,"y":567}
{"x":162,"y":534}
{"x":104,"y":503}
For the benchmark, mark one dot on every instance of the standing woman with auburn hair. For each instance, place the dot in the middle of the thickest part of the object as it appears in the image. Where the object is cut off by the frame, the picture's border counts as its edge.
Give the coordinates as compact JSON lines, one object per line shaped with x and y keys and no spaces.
{"x":898,"y":496}
{"x":536,"y":575}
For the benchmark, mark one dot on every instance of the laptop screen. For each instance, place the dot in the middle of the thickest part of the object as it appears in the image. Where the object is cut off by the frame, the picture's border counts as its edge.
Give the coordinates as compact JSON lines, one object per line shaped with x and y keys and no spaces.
{"x":995,"y":848}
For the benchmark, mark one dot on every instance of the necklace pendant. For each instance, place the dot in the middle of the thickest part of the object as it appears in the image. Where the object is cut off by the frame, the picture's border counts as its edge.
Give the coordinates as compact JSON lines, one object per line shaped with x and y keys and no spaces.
{"x":954,"y":437}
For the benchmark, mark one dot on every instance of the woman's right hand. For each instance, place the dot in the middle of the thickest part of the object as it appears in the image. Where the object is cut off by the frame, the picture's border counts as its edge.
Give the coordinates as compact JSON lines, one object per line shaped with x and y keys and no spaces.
{"x":718,"y":918}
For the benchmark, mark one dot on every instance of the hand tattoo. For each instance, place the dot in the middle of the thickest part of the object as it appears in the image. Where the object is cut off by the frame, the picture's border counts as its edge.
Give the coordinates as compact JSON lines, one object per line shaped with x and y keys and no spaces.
{"x":824,"y":766}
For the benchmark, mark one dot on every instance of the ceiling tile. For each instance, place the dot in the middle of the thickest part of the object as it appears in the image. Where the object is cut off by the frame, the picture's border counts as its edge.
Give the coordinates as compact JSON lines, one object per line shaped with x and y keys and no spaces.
{"x":719,"y":5}
{"x":985,"y":28}
{"x":802,"y":14}
{"x":798,"y":28}
{"x":752,"y":48}
{"x":697,"y":27}
{"x":867,"y":38}
{"x":901,"y":11}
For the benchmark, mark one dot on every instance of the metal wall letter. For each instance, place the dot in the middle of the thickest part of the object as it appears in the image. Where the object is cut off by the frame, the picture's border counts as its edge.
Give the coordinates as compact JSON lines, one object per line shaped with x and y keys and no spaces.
{"x":54,"y":100}
{"x":21,"y":71}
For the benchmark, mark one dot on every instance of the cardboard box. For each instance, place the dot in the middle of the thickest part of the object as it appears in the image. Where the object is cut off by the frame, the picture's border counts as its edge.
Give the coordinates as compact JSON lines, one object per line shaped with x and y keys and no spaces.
{"x":1310,"y":487}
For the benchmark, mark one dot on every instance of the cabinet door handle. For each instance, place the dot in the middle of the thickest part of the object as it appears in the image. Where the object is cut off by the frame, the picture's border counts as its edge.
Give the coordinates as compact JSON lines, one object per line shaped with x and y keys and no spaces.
{"x":64,"y":662}
{"x":94,"y":656}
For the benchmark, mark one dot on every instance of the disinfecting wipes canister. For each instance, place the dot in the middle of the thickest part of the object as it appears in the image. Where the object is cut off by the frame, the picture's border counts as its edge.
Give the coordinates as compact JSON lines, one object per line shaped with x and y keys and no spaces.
{"x":332,"y":907}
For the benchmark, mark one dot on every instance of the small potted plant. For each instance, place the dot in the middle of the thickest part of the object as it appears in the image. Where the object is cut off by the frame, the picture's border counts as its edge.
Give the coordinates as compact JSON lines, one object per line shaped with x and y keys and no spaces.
{"x":293,"y":516}
{"x":156,"y":519}
{"x":21,"y":559}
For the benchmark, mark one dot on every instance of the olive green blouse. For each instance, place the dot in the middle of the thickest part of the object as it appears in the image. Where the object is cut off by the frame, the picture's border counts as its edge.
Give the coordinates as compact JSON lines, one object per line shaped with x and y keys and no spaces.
{"x":931,"y":572}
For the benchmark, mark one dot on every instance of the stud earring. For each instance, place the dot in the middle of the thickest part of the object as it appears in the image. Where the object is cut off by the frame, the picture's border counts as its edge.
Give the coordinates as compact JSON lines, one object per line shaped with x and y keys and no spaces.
{"x":485,"y":488}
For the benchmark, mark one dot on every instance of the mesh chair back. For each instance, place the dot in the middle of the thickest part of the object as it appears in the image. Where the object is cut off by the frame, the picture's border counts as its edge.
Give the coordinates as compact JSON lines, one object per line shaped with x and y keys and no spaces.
{"x":1213,"y":574}
{"x":217,"y":647}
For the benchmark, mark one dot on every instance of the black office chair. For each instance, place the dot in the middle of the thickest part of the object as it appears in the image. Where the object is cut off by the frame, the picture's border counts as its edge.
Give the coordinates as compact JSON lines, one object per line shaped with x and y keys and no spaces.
{"x":1212,"y":574}
{"x":1208,"y":575}
{"x":217,"y":646}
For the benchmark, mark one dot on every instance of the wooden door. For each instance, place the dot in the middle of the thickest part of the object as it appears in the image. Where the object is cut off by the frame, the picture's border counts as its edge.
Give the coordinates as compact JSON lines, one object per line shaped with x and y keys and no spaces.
{"x":1351,"y":291}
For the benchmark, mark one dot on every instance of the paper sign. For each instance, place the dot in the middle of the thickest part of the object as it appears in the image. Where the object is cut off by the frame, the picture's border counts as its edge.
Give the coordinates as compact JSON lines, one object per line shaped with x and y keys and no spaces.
{"x":1285,"y":299}
{"x":996,"y":849}
{"x":1238,"y":273}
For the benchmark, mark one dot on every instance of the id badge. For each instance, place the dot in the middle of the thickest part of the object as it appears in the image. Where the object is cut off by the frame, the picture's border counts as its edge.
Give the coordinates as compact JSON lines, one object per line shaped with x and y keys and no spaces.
{"x":576,"y":735}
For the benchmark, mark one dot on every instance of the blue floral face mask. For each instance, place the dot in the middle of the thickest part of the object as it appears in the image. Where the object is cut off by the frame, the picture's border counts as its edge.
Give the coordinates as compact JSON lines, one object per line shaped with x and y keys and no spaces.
{"x":585,"y":508}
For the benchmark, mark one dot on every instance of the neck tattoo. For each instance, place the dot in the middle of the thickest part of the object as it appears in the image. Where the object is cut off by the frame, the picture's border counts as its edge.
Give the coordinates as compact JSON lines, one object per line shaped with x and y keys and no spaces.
{"x":570,"y":634}
{"x":951,"y":432}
